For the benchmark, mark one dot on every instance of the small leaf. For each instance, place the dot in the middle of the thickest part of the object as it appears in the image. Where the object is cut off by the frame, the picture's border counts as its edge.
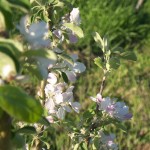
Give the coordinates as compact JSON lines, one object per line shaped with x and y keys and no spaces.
{"x":64,"y":77}
{"x":76,"y":29}
{"x":44,"y":121}
{"x":27,"y":130}
{"x":106,"y":43}
{"x":96,"y":142}
{"x":76,"y":146}
{"x":98,"y":62}
{"x":114,"y":62}
{"x":129,"y":55}
{"x":66,"y":58}
{"x":20,"y":105}
{"x":98,"y":40}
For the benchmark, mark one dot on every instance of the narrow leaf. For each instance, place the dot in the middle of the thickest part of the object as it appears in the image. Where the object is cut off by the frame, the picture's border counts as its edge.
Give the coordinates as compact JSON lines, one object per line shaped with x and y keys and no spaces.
{"x":98,"y":40}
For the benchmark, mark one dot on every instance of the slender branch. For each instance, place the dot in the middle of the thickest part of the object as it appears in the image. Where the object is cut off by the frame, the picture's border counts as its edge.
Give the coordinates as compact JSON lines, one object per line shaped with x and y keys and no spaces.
{"x":38,"y":143}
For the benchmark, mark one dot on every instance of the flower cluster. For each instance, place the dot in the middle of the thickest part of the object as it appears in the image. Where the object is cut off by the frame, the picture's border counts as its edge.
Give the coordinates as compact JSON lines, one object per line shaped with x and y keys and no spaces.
{"x":115,"y":109}
{"x":59,"y":98}
{"x":107,"y":141}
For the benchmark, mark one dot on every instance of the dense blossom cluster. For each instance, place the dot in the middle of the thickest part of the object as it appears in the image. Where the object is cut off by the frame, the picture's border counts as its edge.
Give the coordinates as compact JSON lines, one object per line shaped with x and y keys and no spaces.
{"x":59,"y":98}
{"x":115,"y":109}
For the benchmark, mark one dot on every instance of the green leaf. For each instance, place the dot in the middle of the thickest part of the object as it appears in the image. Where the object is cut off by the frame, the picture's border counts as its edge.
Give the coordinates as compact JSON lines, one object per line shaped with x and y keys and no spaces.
{"x":23,"y":5}
{"x":41,"y":53}
{"x":59,"y":3}
{"x":16,"y":46}
{"x":44,"y":121}
{"x":129,"y":55}
{"x":34,"y":71}
{"x":76,"y":29}
{"x":6,"y":49}
{"x":6,"y":11}
{"x":27,"y":130}
{"x":76,"y":146}
{"x":18,"y":141}
{"x":66,"y":58}
{"x":84,"y":146}
{"x":106,"y":43}
{"x":2,"y":24}
{"x":98,"y":40}
{"x":114,"y":62}
{"x":96,"y":143}
{"x":98,"y":62}
{"x":7,"y":66}
{"x":19,"y":105}
{"x":64,"y":76}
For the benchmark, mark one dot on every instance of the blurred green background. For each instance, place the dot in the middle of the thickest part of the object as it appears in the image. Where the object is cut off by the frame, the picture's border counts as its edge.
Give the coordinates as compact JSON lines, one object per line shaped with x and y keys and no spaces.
{"x":128,"y":26}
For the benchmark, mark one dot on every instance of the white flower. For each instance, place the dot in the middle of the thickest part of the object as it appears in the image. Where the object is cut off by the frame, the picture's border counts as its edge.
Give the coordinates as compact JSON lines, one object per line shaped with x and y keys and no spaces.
{"x":108,"y":141}
{"x":75,"y":16}
{"x":60,"y":113}
{"x":71,"y":75}
{"x":36,"y":34}
{"x":76,"y":106}
{"x":52,"y":79}
{"x":50,"y":106}
{"x":59,"y":101}
{"x":115,"y":109}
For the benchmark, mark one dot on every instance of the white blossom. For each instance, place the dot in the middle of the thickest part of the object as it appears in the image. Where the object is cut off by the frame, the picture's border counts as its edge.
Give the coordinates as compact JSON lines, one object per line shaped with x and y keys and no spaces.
{"x":115,"y":109}
{"x":36,"y":33}
{"x":75,"y":16}
{"x":108,"y":141}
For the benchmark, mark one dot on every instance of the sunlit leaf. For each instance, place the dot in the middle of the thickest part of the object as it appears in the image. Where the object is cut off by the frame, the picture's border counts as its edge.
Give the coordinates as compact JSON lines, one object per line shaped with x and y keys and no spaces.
{"x":98,"y":40}
{"x":7,"y":66}
{"x":98,"y":62}
{"x":76,"y":29}
{"x":41,"y":53}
